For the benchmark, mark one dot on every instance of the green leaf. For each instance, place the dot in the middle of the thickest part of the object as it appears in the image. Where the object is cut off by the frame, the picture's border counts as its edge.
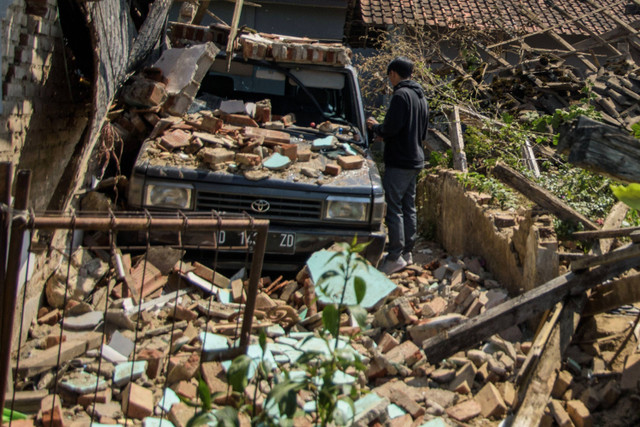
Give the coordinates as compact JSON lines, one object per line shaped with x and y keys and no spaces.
{"x":284,"y":395}
{"x":262,"y":339}
{"x":205,"y":394}
{"x":360,"y":247}
{"x":360,"y":288}
{"x":331,"y":319}
{"x":630,"y":194}
{"x":360,"y":314}
{"x":201,"y":419}
{"x":227,"y":417}
{"x":237,"y":374}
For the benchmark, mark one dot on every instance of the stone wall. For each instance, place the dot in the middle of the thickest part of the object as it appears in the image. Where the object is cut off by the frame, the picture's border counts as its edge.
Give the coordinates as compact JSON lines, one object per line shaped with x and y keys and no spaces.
{"x":42,"y":114}
{"x":519,"y":248}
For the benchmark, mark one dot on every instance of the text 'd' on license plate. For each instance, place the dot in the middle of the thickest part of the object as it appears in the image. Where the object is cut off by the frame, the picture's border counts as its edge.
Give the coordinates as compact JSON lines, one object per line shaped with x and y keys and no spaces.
{"x":276,"y":241}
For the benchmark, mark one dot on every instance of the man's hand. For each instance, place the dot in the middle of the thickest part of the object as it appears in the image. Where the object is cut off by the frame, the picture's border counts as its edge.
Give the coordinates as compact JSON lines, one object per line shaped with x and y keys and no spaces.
{"x":371,"y":122}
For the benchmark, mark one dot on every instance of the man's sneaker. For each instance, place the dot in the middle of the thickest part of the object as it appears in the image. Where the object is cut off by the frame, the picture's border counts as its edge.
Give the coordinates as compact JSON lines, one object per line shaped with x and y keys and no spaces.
{"x":390,"y":267}
{"x":408,"y":257}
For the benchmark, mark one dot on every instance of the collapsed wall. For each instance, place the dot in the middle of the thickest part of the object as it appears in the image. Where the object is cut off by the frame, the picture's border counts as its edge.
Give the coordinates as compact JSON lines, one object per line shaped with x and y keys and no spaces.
{"x":519,"y":248}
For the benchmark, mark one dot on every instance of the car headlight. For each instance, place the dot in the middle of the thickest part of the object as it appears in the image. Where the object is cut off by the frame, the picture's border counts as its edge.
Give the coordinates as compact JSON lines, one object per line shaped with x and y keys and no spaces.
{"x":168,"y":196}
{"x":347,"y":209}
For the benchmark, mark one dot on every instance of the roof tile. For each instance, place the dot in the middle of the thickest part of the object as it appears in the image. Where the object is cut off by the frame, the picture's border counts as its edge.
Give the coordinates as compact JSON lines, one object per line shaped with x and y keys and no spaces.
{"x":497,"y":14}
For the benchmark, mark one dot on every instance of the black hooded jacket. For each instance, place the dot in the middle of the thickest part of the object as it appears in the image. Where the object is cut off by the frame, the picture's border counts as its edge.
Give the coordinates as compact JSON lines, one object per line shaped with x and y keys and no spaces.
{"x":405,"y":127}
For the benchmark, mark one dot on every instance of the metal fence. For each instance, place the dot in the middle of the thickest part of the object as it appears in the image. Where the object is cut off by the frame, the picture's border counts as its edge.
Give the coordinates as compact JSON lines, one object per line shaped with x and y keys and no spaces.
{"x":101,"y":288}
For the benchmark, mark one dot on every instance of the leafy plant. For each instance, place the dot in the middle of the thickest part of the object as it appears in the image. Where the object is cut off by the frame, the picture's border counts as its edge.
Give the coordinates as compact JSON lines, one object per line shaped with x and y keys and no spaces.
{"x":318,"y":372}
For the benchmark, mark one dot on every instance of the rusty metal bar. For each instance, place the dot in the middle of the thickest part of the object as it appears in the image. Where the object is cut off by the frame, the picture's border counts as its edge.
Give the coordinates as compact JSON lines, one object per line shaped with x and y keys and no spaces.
{"x":119,"y":223}
{"x":130,"y":222}
{"x":10,"y":285}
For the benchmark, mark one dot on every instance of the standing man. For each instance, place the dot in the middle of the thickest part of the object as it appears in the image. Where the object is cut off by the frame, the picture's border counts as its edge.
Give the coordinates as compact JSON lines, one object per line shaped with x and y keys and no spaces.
{"x":403,"y":130}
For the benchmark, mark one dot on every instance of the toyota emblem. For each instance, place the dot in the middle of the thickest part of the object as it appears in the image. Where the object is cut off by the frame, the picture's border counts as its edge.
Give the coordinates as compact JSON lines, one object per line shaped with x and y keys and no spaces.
{"x":260,"y":205}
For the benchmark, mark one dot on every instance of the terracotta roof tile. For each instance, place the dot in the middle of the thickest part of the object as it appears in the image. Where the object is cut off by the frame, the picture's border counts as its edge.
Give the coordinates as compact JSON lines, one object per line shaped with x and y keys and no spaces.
{"x":504,"y":15}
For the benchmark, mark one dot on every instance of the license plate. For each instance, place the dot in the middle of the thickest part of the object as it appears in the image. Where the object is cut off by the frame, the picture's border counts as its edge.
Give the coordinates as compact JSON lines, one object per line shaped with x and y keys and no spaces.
{"x":276,"y":242}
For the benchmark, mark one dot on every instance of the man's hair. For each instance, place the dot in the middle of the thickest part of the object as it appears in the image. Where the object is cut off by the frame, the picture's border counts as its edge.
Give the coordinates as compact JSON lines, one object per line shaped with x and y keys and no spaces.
{"x":401,"y":65}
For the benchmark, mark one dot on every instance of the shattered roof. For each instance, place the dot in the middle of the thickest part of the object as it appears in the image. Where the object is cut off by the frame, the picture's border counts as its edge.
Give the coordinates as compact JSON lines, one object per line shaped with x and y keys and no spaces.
{"x":503,"y":15}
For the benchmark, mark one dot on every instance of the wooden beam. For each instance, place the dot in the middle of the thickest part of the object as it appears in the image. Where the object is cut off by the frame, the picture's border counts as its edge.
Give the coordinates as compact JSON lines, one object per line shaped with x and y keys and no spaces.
{"x":630,"y":251}
{"x":457,"y":141}
{"x":602,"y":148}
{"x":519,"y":309}
{"x":613,"y":221}
{"x":607,"y":297}
{"x":235,"y":21}
{"x":604,"y":234}
{"x":535,"y":396}
{"x":540,"y":196}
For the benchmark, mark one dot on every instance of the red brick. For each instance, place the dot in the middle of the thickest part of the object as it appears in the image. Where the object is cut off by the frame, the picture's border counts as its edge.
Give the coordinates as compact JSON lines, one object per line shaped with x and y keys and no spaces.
{"x":20,"y":423}
{"x":559,"y":414}
{"x":183,"y":313}
{"x":248,"y":159}
{"x":464,"y":411}
{"x":185,"y":389}
{"x":491,"y":401}
{"x":333,"y":170}
{"x":289,"y":150}
{"x":103,"y":396}
{"x":463,"y":381}
{"x":211,"y":124}
{"x":183,"y":367}
{"x":270,"y":136}
{"x":154,"y":360}
{"x":304,"y":155}
{"x":239,"y":120}
{"x":404,"y":400}
{"x":175,"y":139}
{"x":407,"y":353}
{"x":50,"y":318}
{"x":51,"y":411}
{"x":137,"y":401}
{"x":180,"y":414}
{"x":387,"y":342}
{"x":54,"y":340}
{"x":579,"y":413}
{"x":350,"y":162}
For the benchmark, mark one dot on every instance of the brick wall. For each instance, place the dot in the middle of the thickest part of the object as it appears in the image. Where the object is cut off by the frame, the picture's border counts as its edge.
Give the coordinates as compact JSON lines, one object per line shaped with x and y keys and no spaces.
{"x":41,"y":120}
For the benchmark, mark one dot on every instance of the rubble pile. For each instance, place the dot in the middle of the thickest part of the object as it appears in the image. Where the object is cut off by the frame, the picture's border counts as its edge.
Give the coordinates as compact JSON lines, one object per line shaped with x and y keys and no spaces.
{"x":117,"y":360}
{"x":159,"y":106}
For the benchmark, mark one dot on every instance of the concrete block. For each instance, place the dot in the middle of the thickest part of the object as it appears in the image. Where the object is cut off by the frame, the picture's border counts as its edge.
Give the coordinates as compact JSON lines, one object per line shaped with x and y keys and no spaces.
{"x":129,"y":371}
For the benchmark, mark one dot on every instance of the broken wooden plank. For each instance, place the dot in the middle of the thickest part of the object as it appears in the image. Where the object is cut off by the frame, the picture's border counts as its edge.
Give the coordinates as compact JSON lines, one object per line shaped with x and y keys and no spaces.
{"x":630,"y":251}
{"x":530,"y":158}
{"x":48,"y":359}
{"x":604,"y":234}
{"x":613,"y":221}
{"x":602,"y":148}
{"x":536,"y":395}
{"x":540,"y":196}
{"x":613,"y":295}
{"x":457,"y":142}
{"x":518,"y":309}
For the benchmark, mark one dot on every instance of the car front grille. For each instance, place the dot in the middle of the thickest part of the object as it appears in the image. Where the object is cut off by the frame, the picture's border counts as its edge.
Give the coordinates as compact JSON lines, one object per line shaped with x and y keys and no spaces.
{"x":279,"y":208}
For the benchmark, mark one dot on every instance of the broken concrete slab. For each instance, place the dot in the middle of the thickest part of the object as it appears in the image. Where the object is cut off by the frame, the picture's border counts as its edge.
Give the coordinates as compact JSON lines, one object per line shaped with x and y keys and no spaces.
{"x":83,"y":383}
{"x":84,"y":322}
{"x":378,"y":285}
{"x":129,"y":371}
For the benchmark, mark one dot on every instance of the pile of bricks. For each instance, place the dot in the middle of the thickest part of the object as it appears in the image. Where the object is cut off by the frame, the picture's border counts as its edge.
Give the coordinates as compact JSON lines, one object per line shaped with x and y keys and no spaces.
{"x":158,"y":326}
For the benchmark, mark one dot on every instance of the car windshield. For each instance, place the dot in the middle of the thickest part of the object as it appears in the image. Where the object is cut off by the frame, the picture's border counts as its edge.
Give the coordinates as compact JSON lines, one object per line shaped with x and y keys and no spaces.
{"x":312,"y":96}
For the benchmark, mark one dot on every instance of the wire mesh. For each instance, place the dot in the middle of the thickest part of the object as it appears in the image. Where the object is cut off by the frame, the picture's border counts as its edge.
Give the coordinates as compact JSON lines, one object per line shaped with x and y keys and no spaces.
{"x":128,"y":321}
